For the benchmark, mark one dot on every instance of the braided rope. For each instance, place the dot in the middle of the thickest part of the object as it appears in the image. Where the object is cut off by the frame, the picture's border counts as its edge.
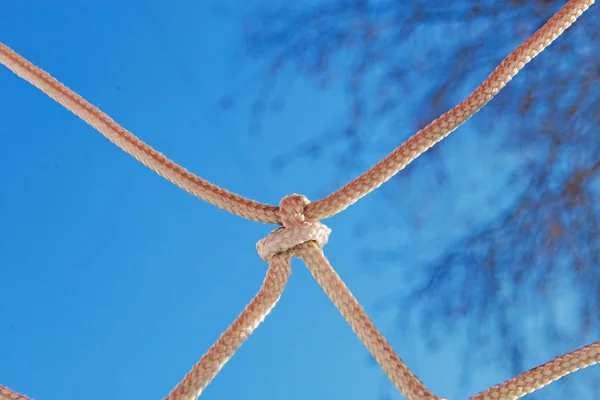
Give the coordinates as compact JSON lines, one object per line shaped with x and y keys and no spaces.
{"x":543,"y":375}
{"x":303,"y":236}
{"x":7,"y":394}
{"x":391,"y":363}
{"x":255,"y":312}
{"x":124,"y":139}
{"x":447,"y":123}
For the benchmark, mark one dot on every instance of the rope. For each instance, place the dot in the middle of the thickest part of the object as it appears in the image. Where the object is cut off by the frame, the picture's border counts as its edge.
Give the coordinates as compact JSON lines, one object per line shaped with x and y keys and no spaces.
{"x":255,"y":312}
{"x":293,"y":236}
{"x":391,"y":363}
{"x":7,"y":394}
{"x":303,"y":236}
{"x":543,"y":375}
{"x":124,"y":139}
{"x":447,"y":123}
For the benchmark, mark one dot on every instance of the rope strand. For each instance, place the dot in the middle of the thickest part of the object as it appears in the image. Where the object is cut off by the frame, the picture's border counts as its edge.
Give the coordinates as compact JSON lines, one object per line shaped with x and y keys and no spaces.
{"x":255,"y":312}
{"x":543,"y":375}
{"x":394,"y":367}
{"x":142,"y":152}
{"x":7,"y":394}
{"x":447,"y":123}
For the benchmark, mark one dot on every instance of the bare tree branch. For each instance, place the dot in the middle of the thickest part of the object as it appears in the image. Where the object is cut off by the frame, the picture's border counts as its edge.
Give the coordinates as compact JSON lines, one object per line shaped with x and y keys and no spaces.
{"x":413,"y":61}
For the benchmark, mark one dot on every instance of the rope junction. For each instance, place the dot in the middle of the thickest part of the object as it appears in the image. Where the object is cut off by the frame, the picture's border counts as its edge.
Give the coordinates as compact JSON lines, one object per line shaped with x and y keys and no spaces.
{"x":303,"y":236}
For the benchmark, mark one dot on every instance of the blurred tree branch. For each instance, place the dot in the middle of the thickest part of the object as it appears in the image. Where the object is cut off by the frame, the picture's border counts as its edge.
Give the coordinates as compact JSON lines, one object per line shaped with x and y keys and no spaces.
{"x":414,"y":60}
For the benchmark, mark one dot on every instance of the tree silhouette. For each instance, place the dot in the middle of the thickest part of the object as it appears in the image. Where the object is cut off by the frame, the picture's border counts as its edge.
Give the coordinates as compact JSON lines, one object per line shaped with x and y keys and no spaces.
{"x":542,"y":245}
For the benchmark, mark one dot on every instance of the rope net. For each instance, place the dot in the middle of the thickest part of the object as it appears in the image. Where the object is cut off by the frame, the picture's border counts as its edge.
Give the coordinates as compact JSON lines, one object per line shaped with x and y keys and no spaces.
{"x":303,"y":236}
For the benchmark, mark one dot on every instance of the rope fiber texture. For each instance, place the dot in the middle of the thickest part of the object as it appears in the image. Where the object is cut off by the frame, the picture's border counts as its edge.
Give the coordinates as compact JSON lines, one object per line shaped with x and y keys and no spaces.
{"x":303,"y":236}
{"x":7,"y":394}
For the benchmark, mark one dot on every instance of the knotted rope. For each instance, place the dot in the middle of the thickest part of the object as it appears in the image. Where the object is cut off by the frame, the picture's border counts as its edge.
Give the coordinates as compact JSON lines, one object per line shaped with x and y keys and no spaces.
{"x":305,"y":240}
{"x":296,"y":229}
{"x":303,"y":236}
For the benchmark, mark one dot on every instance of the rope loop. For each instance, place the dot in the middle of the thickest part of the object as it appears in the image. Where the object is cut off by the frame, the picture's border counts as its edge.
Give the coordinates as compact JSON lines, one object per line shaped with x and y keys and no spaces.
{"x":296,"y":229}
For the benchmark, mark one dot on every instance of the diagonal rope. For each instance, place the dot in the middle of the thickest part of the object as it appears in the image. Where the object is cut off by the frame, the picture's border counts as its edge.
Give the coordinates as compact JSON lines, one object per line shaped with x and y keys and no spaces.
{"x":347,"y":195}
{"x":303,"y":236}
{"x":255,"y":312}
{"x":391,"y":363}
{"x":7,"y":394}
{"x":124,"y":139}
{"x":543,"y":375}
{"x":447,"y":123}
{"x":291,"y":236}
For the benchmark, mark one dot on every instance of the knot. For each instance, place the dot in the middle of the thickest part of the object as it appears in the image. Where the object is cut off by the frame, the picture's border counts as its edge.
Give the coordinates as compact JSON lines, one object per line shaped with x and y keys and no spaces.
{"x":296,"y":230}
{"x":291,"y":209}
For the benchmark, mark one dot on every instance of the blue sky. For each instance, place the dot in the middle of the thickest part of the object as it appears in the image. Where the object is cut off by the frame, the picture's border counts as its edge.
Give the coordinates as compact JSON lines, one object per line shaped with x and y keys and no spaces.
{"x":115,"y":281}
